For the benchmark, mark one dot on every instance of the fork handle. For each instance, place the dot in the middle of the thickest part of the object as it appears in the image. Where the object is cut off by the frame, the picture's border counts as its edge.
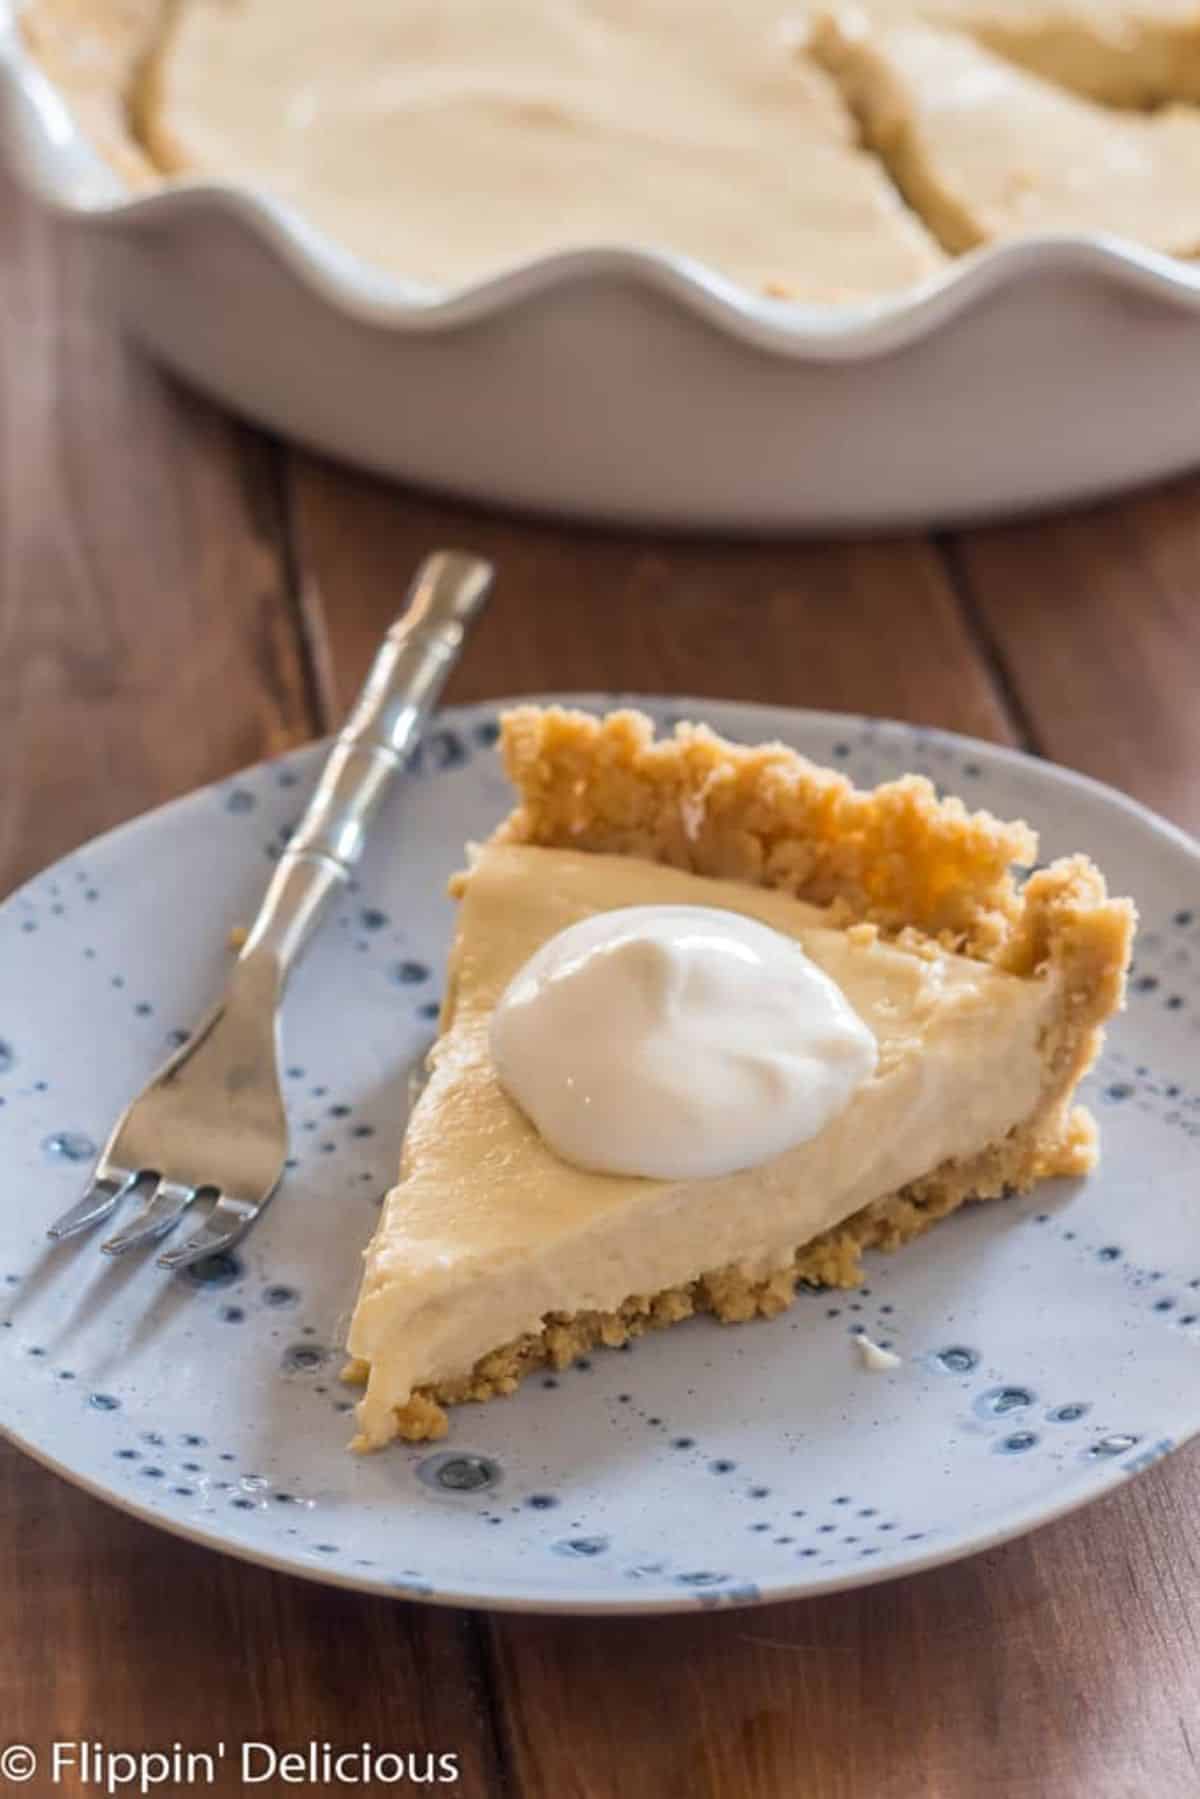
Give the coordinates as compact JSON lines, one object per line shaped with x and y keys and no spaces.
{"x":401,"y":691}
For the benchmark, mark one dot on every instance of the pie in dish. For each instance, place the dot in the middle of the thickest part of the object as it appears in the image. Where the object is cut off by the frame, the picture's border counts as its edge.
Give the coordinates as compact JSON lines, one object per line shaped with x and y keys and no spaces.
{"x":445,"y":142}
{"x":986,"y":995}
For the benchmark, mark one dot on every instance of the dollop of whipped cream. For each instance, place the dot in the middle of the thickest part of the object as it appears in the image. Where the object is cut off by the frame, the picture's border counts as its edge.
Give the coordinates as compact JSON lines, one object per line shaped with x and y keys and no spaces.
{"x":676,"y":1042}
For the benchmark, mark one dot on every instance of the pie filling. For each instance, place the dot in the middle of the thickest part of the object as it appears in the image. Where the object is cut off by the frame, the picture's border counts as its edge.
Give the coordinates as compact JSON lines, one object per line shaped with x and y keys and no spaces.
{"x":494,"y":1254}
{"x":822,"y":158}
{"x":477,"y":1251}
{"x":985,"y":150}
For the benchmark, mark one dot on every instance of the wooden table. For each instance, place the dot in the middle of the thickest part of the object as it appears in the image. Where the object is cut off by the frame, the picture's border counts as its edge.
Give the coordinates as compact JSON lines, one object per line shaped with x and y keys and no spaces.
{"x":179,"y":596}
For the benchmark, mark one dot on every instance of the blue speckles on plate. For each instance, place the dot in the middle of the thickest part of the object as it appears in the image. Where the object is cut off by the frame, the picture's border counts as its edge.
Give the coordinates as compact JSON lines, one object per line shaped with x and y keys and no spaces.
{"x":443,"y":750}
{"x":457,"y":1472}
{"x":214,"y":1271}
{"x":1018,"y":1442}
{"x":69,"y":1146}
{"x":998,"y":1402}
{"x":1105,"y":1448}
{"x":408,"y":973}
{"x":1049,"y":1344}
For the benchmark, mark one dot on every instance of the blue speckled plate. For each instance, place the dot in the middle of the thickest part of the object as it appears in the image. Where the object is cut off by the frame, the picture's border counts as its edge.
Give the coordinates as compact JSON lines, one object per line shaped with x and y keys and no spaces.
{"x":1051,"y":1345}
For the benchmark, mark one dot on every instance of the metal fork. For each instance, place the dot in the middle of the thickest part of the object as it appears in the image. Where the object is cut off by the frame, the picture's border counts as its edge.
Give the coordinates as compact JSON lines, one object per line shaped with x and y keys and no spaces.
{"x":212,"y":1121}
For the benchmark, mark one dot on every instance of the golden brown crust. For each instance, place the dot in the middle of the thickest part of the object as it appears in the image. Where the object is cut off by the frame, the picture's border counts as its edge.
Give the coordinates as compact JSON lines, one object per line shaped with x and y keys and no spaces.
{"x":896,"y":859}
{"x":897,"y":855}
{"x":95,"y":52}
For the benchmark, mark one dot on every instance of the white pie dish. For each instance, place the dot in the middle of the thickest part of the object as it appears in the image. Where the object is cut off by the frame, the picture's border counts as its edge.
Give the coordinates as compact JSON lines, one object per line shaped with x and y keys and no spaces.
{"x":620,"y":385}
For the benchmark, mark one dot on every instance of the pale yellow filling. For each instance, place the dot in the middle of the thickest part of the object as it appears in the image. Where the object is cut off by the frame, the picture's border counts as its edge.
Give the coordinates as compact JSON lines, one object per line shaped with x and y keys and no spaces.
{"x":1125,"y":53}
{"x":488,"y":1232}
{"x":446,"y":140}
{"x":985,"y":150}
{"x":449,"y":139}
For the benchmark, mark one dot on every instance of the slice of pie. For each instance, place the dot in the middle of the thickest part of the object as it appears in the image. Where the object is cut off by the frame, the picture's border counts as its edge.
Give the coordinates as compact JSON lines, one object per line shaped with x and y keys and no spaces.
{"x":986,"y":997}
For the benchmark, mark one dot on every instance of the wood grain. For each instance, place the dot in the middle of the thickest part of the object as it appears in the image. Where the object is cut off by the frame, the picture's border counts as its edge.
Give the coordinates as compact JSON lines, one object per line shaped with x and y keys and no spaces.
{"x":1059,"y":1667}
{"x":114,"y":1632}
{"x":148,"y":642}
{"x":811,"y":625}
{"x":1094,"y":618}
{"x":1064,"y":1665}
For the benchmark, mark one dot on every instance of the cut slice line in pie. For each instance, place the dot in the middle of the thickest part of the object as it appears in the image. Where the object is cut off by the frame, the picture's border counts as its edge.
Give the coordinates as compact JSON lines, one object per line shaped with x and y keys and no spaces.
{"x":986,"y":994}
{"x":985,"y":151}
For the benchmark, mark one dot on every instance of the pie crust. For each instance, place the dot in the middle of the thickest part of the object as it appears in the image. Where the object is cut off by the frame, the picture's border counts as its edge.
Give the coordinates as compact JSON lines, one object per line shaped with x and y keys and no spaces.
{"x":896,"y":860}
